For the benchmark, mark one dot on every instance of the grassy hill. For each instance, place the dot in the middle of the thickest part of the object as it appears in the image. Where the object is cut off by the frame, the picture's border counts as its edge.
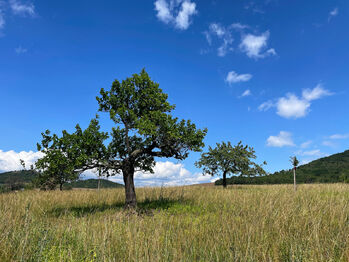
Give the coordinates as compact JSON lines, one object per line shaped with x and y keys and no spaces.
{"x":24,"y":177}
{"x":331,"y":169}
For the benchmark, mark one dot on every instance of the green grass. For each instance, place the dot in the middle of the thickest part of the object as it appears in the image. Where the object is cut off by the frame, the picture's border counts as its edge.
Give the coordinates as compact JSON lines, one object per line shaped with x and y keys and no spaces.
{"x":244,"y":223}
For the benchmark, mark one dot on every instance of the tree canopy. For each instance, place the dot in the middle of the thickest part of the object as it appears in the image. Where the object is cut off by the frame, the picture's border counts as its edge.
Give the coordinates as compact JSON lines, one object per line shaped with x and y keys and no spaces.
{"x":226,"y":159}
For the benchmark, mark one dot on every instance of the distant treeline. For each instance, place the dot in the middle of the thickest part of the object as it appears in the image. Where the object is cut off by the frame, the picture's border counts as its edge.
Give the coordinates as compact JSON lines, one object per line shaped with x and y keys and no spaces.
{"x":332,"y":169}
{"x":25,"y":179}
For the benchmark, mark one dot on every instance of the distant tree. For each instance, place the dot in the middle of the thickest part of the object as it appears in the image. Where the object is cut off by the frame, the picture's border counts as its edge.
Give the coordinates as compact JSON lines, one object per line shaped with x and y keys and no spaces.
{"x":226,"y":159}
{"x":21,"y":161}
{"x":144,"y":129}
{"x":295,"y":163}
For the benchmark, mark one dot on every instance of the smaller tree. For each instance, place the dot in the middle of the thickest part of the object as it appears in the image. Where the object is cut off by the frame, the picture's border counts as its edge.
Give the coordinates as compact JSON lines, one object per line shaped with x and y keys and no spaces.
{"x":227,"y":160}
{"x":66,"y":157}
{"x":295,"y":163}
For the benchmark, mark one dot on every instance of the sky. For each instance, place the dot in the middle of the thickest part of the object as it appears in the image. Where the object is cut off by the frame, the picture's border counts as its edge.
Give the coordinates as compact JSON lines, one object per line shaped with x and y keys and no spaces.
{"x":270,"y":73}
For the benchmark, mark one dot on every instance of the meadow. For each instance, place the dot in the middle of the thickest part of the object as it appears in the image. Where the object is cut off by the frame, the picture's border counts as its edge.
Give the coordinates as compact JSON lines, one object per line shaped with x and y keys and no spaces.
{"x":193,"y":223}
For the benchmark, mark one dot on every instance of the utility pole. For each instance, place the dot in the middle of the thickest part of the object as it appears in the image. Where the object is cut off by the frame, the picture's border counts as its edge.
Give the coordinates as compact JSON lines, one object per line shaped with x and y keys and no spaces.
{"x":294,"y":179}
{"x":295,"y":163}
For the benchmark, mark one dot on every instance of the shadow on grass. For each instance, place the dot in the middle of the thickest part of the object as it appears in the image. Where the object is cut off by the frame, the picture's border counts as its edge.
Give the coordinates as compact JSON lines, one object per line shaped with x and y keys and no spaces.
{"x":145,"y":207}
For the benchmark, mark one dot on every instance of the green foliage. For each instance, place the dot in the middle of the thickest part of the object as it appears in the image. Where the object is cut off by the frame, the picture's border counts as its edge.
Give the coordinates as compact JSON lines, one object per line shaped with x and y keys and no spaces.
{"x":66,"y":157}
{"x":144,"y":127}
{"x":332,"y":169}
{"x":230,"y":160}
{"x":294,"y":161}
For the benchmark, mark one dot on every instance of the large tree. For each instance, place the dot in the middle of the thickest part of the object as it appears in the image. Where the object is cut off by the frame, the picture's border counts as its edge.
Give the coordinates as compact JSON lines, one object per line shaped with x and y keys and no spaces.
{"x":226,"y":159}
{"x":144,"y":130}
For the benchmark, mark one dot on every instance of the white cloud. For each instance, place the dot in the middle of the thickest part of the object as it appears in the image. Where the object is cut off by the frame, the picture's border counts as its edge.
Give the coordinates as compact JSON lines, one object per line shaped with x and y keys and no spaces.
{"x":339,"y":136}
{"x":233,"y":77}
{"x":246,"y":93}
{"x":292,"y":106}
{"x":253,"y":45}
{"x":332,"y":14}
{"x":283,"y":139}
{"x":20,"y":50}
{"x":9,"y":160}
{"x":166,"y":12}
{"x":188,"y":9}
{"x":266,"y":106}
{"x":165,"y":173}
{"x":23,"y":9}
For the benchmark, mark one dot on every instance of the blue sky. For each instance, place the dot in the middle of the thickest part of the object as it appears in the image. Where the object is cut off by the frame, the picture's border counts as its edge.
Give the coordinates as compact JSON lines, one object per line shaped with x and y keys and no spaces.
{"x":271,"y":73}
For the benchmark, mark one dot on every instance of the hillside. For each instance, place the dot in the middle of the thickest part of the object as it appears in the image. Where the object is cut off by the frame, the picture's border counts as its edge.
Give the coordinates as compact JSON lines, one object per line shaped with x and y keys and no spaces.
{"x":93,"y":183}
{"x":331,"y":169}
{"x":26,"y":176}
{"x":23,"y":176}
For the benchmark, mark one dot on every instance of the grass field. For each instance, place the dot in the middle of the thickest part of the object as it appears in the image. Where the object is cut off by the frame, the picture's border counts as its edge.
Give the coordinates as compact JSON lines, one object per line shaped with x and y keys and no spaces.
{"x":201,"y":223}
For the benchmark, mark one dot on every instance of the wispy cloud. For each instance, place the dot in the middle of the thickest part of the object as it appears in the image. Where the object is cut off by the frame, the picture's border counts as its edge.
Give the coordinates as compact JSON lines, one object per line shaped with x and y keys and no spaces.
{"x":246,"y":93}
{"x":2,"y":16}
{"x":266,"y":106}
{"x":20,"y":50}
{"x":283,"y":139}
{"x":254,"y":45}
{"x":339,"y":136}
{"x":234,"y":77}
{"x":177,"y":12}
{"x":24,"y":9}
{"x":333,"y":13}
{"x":221,"y":33}
{"x":313,"y":153}
{"x":306,"y":144}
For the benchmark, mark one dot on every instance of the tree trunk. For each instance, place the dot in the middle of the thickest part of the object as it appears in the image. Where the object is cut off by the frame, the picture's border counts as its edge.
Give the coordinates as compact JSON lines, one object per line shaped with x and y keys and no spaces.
{"x":61,"y":186}
{"x":99,"y":183}
{"x":224,"y":179}
{"x":294,"y":179}
{"x":130,"y":201}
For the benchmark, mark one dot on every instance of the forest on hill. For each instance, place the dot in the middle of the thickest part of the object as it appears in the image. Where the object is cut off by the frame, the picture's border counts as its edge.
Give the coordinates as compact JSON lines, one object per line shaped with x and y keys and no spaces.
{"x":331,"y":169}
{"x":16,"y":180}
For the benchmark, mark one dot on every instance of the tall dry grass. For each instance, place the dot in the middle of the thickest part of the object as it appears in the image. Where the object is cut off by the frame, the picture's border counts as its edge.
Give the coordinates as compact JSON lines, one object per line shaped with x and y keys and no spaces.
{"x":241,"y":223}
